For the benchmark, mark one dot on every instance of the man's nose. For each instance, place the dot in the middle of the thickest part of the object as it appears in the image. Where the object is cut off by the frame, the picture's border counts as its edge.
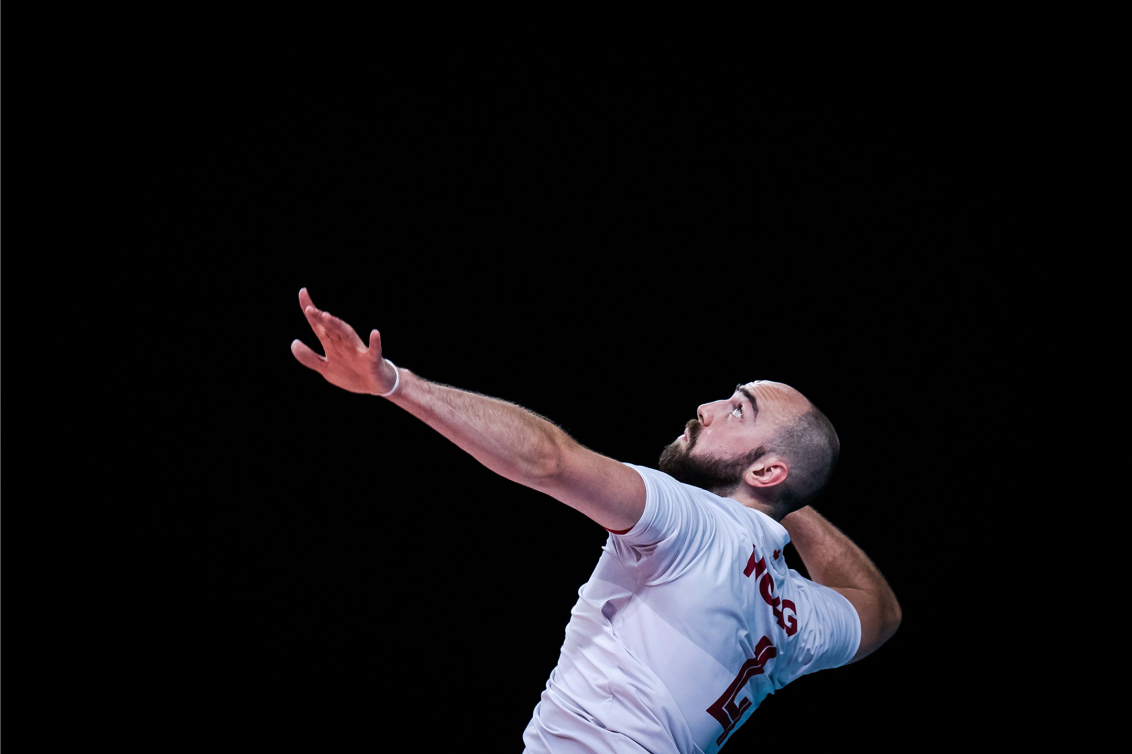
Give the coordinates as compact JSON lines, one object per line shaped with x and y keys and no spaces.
{"x":704,"y":413}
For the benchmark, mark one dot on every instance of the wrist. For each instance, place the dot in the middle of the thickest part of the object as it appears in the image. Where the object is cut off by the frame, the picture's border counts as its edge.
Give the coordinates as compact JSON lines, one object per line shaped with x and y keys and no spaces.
{"x":396,"y":381}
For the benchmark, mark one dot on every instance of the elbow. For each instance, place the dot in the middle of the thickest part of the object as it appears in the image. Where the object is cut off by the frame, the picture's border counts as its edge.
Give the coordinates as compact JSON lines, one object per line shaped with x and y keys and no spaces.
{"x":893,"y":615}
{"x":546,"y":465}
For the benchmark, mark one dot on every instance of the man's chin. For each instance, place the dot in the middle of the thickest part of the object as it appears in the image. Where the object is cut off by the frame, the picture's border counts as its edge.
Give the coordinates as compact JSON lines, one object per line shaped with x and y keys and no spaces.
{"x":711,"y":474}
{"x":671,"y":457}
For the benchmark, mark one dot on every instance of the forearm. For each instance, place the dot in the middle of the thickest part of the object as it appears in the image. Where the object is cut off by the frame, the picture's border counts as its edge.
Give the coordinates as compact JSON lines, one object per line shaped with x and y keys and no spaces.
{"x":834,"y":561}
{"x":831,"y":557}
{"x":508,"y":439}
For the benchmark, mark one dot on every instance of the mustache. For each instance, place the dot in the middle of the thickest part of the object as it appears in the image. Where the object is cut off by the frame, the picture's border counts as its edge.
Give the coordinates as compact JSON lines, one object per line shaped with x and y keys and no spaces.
{"x":693,"y":426}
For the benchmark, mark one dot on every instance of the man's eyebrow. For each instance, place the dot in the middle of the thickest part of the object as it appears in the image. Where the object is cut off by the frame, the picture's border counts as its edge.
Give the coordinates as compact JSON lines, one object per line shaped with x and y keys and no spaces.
{"x":750,"y":397}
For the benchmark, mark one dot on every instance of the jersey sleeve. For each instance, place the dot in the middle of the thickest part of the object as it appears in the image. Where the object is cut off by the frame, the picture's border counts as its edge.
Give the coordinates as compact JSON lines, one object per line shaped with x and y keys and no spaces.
{"x":672,"y":532}
{"x":829,"y":627}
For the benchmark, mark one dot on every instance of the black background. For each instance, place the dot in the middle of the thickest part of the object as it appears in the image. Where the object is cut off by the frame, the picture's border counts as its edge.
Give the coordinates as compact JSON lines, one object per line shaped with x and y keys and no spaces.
{"x":608,"y":217}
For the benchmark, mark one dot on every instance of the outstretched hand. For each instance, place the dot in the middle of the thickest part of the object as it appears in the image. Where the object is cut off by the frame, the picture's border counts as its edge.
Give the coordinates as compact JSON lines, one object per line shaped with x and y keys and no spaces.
{"x":349,"y":363}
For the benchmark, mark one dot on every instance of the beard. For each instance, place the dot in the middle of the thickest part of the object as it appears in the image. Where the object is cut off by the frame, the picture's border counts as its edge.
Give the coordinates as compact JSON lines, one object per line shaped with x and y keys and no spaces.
{"x":717,"y":475}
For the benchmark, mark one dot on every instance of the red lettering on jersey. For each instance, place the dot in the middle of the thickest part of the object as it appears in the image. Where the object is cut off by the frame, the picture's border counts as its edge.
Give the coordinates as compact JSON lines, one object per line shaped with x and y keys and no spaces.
{"x":789,"y":623}
{"x":766,"y":586}
{"x":757,"y":567}
{"x":725,"y":709}
{"x":776,"y":554}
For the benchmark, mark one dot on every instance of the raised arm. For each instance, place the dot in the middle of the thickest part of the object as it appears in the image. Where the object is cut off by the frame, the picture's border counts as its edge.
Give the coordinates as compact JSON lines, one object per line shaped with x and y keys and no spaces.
{"x":508,"y":439}
{"x":834,"y":561}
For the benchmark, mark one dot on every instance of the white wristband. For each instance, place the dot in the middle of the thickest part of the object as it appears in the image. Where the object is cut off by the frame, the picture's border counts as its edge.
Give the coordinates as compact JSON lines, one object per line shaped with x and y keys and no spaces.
{"x":396,"y":382}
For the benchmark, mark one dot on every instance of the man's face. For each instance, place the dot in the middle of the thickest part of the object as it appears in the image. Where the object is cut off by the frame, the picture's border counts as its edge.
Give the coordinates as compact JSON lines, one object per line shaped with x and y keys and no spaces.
{"x":723,"y":441}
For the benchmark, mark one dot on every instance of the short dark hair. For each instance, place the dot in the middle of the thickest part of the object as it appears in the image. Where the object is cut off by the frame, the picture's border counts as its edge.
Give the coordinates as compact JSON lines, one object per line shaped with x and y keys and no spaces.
{"x":810,"y":447}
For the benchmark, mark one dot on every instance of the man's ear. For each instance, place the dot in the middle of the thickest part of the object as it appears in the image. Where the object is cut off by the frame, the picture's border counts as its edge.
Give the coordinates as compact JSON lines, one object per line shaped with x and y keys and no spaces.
{"x":768,"y":471}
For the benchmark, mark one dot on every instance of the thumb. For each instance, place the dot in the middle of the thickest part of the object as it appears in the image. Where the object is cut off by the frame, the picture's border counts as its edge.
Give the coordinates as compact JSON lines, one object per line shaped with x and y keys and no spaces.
{"x":375,"y":342}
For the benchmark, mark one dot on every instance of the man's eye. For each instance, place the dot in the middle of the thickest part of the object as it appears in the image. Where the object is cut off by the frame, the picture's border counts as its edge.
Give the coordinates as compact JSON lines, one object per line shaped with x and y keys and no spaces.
{"x":737,"y":411}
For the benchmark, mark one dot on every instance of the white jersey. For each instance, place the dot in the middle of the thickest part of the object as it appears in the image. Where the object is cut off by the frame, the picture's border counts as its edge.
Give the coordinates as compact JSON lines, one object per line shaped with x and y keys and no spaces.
{"x":689,"y":620}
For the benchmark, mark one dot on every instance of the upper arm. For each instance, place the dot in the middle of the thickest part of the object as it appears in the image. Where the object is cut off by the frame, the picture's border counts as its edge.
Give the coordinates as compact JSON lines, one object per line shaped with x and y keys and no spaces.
{"x":879,"y":614}
{"x":605,"y":490}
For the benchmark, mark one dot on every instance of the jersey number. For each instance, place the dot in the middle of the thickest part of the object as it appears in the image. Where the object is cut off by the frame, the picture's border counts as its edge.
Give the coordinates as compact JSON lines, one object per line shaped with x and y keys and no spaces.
{"x":725,"y":709}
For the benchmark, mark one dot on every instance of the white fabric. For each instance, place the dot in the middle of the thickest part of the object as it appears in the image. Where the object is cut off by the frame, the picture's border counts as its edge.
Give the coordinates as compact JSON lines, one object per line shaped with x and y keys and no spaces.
{"x":669,"y":622}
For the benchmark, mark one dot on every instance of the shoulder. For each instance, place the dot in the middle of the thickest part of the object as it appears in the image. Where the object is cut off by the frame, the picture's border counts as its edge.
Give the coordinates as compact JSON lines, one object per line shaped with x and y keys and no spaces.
{"x":674,"y":508}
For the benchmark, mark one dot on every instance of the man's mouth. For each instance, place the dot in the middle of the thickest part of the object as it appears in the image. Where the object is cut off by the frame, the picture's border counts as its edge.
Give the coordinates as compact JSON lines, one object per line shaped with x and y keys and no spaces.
{"x":691,"y":430}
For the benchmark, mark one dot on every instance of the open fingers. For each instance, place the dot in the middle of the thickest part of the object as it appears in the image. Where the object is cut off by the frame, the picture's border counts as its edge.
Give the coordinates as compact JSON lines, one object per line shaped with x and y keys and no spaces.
{"x":306,"y":356}
{"x":340,"y":331}
{"x":313,"y":315}
{"x":315,"y":320}
{"x":305,"y":299}
{"x":326,"y":326}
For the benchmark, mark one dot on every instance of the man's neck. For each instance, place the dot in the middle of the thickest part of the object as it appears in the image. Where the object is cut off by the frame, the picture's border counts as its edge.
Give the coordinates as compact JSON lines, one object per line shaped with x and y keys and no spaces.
{"x":744,"y":497}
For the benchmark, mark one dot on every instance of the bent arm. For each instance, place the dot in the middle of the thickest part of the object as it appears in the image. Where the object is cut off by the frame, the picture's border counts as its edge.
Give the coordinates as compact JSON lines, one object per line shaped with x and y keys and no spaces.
{"x":834,"y":561}
{"x":526,"y":448}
